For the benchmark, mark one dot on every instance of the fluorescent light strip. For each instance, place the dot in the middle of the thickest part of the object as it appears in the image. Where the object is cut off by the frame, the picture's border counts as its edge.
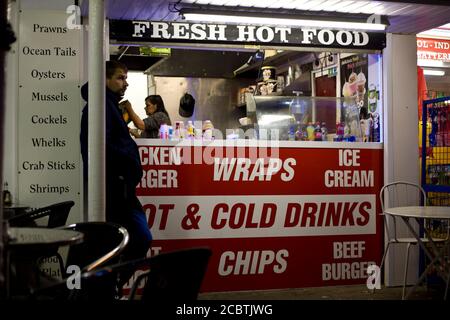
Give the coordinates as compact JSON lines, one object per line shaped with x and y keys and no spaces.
{"x":284,"y":22}
{"x":429,"y":63}
{"x":351,"y":6}
{"x":271,"y":118}
{"x":435,"y":33}
{"x":429,"y":72}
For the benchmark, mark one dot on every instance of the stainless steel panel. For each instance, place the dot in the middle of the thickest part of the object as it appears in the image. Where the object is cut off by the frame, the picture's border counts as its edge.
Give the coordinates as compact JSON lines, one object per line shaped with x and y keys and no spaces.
{"x":215,"y":99}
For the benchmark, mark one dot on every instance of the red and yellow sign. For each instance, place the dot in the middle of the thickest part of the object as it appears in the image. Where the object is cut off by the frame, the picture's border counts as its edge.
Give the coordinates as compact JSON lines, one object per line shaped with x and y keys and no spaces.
{"x":433,"y":49}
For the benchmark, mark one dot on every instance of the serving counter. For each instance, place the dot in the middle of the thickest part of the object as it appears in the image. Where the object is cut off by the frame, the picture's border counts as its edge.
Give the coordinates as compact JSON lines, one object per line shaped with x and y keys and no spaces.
{"x":276,"y":214}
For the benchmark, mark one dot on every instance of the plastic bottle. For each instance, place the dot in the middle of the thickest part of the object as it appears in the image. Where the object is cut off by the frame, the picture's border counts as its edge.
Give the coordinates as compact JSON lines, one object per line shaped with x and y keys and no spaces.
{"x":291,"y":133}
{"x":304,"y":133}
{"x":375,"y":127}
{"x":198,"y":132}
{"x":324,"y":130}
{"x":190,"y":130}
{"x":207,"y":130}
{"x":317,"y":132}
{"x":161,"y":132}
{"x":346,"y":130}
{"x":291,"y":130}
{"x":339,"y":131}
{"x":310,"y":131}
{"x":299,"y":133}
{"x":176,"y":133}
{"x":164,"y":131}
{"x":372,"y":98}
{"x":182,"y":130}
{"x":170,"y":133}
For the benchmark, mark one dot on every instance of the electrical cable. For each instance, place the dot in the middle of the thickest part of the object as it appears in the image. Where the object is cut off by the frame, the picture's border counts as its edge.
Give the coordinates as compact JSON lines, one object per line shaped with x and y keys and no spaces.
{"x":172,"y":8}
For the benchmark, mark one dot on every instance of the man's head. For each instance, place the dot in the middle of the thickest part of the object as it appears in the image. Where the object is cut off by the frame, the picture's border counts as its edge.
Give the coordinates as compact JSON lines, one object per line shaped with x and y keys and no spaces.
{"x":116,"y":77}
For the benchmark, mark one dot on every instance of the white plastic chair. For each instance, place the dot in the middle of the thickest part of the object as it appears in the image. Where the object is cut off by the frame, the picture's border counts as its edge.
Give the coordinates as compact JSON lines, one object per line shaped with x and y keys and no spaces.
{"x":402,"y":194}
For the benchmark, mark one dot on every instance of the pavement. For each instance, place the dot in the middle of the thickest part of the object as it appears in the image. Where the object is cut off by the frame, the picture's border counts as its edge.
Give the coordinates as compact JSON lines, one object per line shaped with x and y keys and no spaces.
{"x":351,"y":292}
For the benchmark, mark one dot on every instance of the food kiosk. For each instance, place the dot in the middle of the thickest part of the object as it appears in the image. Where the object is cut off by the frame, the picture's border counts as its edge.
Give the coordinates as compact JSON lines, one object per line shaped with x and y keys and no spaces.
{"x":286,"y":198}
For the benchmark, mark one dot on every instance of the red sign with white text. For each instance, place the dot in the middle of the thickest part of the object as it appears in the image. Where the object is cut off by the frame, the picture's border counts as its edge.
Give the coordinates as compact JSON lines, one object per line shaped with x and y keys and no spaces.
{"x":284,"y":218}
{"x":433,"y":49}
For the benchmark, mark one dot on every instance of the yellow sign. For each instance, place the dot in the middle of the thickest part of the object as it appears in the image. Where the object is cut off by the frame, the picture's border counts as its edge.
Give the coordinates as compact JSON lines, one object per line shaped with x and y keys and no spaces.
{"x":154,"y":52}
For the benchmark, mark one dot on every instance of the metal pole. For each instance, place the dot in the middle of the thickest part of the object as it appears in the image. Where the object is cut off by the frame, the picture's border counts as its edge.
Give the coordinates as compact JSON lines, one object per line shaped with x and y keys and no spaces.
{"x":2,"y":117}
{"x":96,"y":123}
{"x":7,"y":37}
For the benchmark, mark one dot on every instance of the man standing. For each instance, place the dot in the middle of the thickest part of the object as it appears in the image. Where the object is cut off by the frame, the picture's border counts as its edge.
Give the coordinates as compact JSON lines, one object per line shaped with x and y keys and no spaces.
{"x":123,"y":166}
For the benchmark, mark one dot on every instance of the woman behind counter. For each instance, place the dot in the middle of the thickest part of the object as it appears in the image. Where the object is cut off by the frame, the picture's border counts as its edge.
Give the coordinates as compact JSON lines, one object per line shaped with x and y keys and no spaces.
{"x":157,"y":115}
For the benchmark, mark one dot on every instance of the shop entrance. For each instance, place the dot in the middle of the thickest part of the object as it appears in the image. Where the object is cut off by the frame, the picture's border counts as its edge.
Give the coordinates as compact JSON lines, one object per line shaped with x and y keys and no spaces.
{"x":325,"y":86}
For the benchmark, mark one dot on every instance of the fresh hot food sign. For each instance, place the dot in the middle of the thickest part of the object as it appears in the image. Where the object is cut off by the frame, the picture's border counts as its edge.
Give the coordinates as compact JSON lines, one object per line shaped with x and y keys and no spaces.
{"x":176,"y":32}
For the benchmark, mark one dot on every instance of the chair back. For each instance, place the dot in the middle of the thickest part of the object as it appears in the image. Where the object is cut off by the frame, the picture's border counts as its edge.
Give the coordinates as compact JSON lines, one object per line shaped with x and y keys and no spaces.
{"x":174,"y":276}
{"x":102,"y":242}
{"x":400,"y":194}
{"x":57,"y":215}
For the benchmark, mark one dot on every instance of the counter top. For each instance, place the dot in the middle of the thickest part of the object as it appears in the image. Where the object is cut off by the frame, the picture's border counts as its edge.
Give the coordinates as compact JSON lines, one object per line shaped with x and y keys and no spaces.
{"x":261,"y":143}
{"x":23,"y":237}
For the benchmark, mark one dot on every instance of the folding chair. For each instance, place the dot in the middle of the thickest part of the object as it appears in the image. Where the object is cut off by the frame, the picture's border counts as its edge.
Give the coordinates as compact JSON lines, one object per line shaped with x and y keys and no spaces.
{"x":102,"y":243}
{"x":401,"y":194}
{"x":173,"y":276}
{"x":57,"y":216}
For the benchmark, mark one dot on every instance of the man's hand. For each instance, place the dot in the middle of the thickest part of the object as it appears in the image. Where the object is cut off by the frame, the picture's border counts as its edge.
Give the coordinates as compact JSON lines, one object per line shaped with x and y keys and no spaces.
{"x":126,"y":105}
{"x":135,"y":133}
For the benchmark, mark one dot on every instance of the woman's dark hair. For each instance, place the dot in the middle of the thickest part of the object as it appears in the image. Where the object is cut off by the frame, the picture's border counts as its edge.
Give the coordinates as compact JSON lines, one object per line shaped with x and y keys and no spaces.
{"x":158,"y":101}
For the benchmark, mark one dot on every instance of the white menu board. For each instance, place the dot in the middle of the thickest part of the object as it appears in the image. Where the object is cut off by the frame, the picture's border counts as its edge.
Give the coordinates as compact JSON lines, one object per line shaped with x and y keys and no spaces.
{"x":49,"y":110}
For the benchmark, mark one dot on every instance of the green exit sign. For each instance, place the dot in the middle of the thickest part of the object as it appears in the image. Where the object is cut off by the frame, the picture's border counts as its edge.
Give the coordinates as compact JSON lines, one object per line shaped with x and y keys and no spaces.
{"x":154,"y":52}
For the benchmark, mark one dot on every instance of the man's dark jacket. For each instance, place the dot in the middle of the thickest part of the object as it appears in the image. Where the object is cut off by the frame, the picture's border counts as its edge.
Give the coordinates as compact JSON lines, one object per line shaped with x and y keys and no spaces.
{"x":123,"y":166}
